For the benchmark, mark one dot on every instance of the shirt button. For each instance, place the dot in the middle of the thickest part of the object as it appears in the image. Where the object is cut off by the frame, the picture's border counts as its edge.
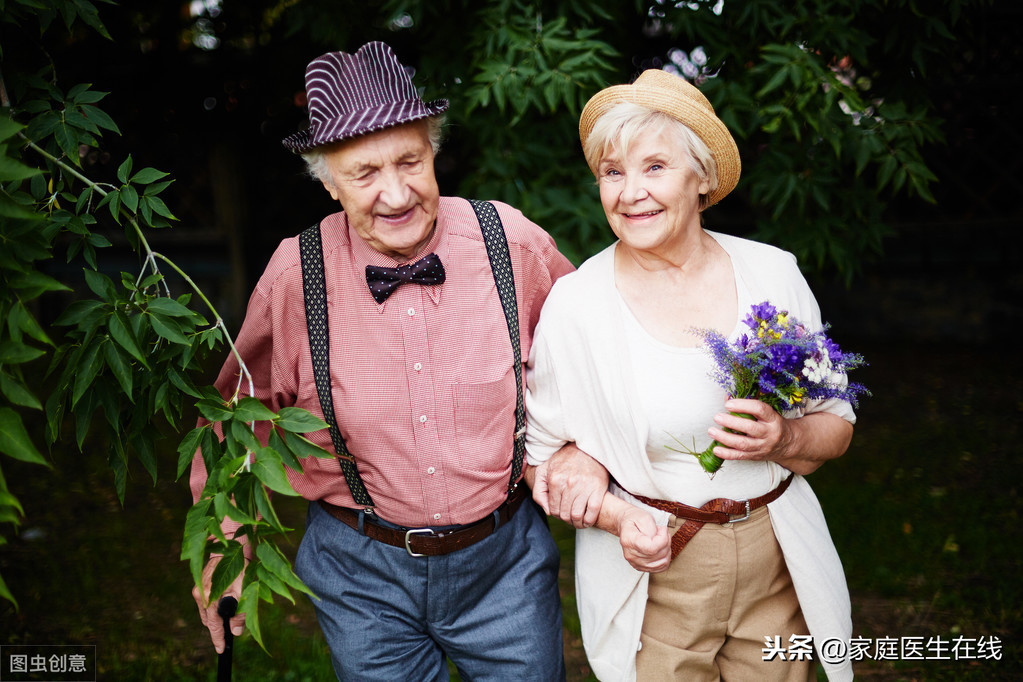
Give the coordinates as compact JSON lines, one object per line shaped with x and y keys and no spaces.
{"x":436,"y":517}
{"x":422,"y":419}
{"x":411,"y":312}
{"x":431,"y":470}
{"x":418,"y":366}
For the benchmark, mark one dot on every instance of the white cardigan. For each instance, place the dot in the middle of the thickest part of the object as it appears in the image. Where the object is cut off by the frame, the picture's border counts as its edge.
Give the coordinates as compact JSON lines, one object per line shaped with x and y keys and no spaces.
{"x":580,"y":389}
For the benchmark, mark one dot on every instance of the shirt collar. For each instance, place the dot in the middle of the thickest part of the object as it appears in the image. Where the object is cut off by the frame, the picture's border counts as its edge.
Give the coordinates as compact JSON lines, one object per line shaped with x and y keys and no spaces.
{"x":363,"y":254}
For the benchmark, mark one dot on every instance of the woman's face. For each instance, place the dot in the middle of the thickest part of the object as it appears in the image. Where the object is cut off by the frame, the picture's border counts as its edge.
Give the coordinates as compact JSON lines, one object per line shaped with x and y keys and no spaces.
{"x":651,"y":195}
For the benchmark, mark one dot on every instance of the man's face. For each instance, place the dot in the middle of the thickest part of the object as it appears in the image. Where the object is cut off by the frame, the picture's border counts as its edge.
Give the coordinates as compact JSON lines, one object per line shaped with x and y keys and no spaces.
{"x":385,"y":182}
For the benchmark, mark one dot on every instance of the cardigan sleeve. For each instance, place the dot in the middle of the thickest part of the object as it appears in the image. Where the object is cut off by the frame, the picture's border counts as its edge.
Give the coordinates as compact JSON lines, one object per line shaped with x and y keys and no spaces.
{"x":546,"y":428}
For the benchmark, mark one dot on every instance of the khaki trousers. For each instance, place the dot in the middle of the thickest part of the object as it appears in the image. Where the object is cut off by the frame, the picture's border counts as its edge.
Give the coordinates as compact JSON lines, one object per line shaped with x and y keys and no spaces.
{"x":708,"y":614}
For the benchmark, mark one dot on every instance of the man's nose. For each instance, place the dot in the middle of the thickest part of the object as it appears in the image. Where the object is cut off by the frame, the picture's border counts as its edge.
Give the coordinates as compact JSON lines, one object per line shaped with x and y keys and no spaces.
{"x":394,"y":190}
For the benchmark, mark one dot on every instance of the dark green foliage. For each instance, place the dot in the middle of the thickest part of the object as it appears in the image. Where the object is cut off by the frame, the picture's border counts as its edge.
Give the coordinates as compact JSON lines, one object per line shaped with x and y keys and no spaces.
{"x":831,"y":114}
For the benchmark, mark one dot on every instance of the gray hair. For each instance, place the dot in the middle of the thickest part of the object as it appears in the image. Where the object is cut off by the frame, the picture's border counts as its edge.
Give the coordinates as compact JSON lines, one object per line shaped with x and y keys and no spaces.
{"x":619,"y":127}
{"x":316,"y":160}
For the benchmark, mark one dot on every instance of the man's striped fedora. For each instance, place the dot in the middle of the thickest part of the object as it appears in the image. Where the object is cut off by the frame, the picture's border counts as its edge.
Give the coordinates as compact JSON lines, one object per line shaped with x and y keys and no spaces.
{"x":355,"y":94}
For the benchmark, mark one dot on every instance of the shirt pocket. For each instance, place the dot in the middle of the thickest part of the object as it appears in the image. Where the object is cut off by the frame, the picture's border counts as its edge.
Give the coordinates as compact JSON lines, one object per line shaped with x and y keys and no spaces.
{"x":484,"y":418}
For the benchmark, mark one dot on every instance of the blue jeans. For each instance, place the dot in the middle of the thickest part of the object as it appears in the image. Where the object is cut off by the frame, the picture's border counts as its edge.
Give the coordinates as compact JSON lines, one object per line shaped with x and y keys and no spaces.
{"x":492,"y":608}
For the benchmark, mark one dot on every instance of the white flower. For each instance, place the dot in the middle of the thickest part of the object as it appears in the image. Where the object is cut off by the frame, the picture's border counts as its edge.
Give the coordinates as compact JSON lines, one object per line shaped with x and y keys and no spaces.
{"x":818,"y":366}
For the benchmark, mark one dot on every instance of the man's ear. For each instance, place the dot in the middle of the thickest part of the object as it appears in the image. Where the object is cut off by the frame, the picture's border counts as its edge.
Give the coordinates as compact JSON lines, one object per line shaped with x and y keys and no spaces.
{"x":331,"y":189}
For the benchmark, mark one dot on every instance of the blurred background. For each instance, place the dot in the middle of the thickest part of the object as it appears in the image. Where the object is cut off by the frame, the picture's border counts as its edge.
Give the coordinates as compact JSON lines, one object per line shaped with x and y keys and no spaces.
{"x":880,"y":143}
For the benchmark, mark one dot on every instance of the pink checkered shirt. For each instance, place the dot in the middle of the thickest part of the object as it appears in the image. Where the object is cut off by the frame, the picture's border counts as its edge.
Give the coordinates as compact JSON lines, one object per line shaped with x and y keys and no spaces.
{"x":424,"y":389}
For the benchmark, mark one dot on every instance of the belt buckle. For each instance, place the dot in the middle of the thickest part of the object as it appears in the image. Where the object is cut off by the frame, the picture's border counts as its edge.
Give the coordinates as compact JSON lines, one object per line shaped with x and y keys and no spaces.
{"x":728,"y":521}
{"x":417,"y":531}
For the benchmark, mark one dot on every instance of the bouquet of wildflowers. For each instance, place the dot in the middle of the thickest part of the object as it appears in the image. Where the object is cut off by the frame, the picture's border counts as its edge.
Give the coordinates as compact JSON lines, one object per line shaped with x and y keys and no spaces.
{"x":780,"y":362}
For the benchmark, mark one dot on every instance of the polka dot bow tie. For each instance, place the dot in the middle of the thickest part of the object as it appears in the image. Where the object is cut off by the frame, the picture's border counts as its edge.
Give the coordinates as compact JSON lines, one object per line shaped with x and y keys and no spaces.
{"x":383,"y":281}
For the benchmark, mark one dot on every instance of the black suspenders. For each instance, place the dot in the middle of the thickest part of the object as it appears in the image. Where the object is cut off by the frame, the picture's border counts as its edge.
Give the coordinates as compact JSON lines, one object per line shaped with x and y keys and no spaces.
{"x":314,"y":288}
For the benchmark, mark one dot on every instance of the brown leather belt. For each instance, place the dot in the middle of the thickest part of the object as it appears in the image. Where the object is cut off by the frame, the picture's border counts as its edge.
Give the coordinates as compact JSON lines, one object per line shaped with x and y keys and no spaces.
{"x":720,"y":510}
{"x":426,"y":541}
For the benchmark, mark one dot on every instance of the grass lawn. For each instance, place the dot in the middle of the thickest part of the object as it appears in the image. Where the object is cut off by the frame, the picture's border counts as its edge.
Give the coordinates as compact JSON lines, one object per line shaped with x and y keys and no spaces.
{"x":924,"y":510}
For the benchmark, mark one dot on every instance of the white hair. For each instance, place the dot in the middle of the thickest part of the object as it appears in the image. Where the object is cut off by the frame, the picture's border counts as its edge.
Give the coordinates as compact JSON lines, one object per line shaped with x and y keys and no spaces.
{"x":619,"y":127}
{"x":316,"y":160}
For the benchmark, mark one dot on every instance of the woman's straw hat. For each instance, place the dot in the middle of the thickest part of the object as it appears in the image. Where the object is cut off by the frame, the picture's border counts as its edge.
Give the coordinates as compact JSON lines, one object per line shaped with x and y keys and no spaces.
{"x":675,"y":96}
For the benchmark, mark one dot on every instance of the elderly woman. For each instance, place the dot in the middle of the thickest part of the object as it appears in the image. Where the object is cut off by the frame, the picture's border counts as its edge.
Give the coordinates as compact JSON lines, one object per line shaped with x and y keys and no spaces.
{"x":617,"y":369}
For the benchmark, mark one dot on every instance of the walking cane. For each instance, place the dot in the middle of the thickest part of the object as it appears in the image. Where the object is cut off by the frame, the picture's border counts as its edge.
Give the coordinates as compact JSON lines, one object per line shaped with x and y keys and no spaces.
{"x":225,"y":609}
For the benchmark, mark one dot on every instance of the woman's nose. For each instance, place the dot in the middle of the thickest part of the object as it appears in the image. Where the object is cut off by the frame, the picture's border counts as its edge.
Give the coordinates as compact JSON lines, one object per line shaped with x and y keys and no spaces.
{"x":633,"y":188}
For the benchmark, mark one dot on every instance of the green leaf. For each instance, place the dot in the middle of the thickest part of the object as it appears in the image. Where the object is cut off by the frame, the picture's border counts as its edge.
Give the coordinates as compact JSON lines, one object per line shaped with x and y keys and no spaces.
{"x":161,"y":208}
{"x":122,"y":333}
{"x":193,"y":545}
{"x":78,"y":311}
{"x":100,"y":118}
{"x":275,"y":562}
{"x":14,"y":439}
{"x":100,"y":284}
{"x":86,"y":96}
{"x":146,"y":450}
{"x":130,"y":198}
{"x":212,"y":449}
{"x":303,"y":447}
{"x":88,"y":367}
{"x":8,"y":127}
{"x":16,"y":391}
{"x":298,"y":420}
{"x":273,"y":583}
{"x":287,"y":456}
{"x":120,"y":368}
{"x":241,"y":433}
{"x":188,"y":447}
{"x":250,"y":409}
{"x":155,"y":188}
{"x":249,"y":605}
{"x":118,"y":462}
{"x":169,"y":307}
{"x":124,"y":170}
{"x":67,"y":140}
{"x":227,"y":570}
{"x":168,"y":329}
{"x":270,"y":471}
{"x":227,"y":510}
{"x":6,"y":593}
{"x":147,"y":176}
{"x":16,"y":353}
{"x":214,"y":410}
{"x":181,"y":383}
{"x":266,"y":510}
{"x":12,"y":170}
{"x":21,"y":319}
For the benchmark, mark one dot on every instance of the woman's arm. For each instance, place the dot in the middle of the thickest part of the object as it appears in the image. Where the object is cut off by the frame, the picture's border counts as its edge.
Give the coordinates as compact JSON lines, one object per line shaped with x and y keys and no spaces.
{"x":646,"y":546}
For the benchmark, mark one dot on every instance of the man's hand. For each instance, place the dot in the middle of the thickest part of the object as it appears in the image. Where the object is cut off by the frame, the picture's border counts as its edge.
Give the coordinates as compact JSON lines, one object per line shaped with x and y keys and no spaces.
{"x":208,"y":611}
{"x":571,"y":486}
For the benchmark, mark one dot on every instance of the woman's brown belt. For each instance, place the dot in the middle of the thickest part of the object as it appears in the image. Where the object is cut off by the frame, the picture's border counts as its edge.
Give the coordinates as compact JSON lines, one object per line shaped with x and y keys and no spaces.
{"x":720,"y":510}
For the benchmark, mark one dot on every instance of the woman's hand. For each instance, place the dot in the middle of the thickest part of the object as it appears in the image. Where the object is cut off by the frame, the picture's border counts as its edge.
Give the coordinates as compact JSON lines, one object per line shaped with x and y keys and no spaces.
{"x":646,"y":546}
{"x":800,"y":445}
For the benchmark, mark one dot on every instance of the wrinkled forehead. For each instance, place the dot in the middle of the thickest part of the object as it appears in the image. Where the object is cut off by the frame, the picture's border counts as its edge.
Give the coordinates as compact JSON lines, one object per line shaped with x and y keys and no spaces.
{"x":394,"y":144}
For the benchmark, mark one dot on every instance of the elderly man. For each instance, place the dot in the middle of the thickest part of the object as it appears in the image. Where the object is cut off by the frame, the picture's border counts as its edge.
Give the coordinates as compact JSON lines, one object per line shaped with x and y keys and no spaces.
{"x":406,"y":317}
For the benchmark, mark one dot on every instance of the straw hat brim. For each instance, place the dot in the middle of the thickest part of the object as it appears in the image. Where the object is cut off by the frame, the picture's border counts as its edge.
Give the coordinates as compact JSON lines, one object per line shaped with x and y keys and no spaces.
{"x":673,"y":95}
